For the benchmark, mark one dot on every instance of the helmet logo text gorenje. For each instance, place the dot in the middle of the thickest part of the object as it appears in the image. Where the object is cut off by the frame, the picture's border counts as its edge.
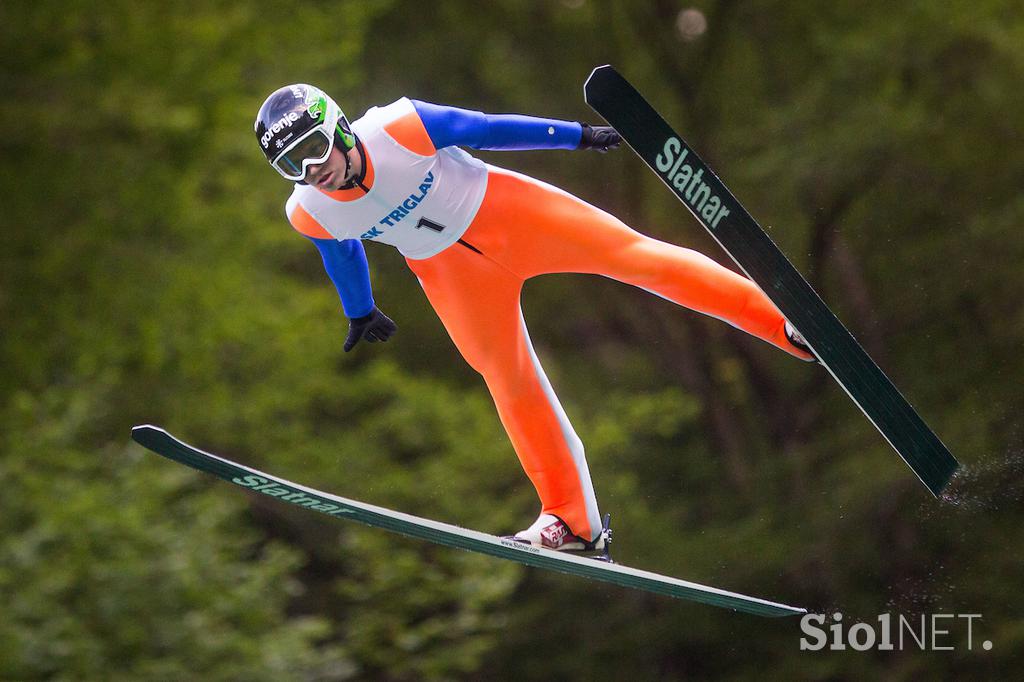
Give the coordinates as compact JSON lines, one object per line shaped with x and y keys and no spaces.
{"x":279,"y":125}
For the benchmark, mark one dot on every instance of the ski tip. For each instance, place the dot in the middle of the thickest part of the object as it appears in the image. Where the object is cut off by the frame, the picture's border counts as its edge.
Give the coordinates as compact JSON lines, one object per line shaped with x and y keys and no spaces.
{"x":142,"y":432}
{"x":597,"y":76}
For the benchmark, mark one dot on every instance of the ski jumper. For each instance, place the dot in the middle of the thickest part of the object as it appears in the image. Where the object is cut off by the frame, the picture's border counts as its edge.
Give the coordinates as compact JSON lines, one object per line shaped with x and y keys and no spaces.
{"x":473,"y":233}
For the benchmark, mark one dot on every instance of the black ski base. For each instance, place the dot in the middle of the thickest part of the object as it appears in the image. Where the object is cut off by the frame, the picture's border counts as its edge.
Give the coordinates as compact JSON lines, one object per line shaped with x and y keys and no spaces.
{"x":711,"y":202}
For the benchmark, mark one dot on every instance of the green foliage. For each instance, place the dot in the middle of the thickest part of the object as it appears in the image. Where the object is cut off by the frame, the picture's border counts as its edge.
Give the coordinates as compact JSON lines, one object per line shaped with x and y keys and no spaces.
{"x":147,"y":274}
{"x":114,"y":567}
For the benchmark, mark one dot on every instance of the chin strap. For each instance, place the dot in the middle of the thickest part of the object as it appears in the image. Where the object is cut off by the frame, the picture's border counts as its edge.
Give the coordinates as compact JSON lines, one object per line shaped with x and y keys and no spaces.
{"x":348,"y":171}
{"x":355,"y":181}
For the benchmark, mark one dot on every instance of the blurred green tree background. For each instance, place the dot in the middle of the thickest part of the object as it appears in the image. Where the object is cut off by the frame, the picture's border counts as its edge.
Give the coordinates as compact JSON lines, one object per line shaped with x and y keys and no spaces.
{"x":147,"y":274}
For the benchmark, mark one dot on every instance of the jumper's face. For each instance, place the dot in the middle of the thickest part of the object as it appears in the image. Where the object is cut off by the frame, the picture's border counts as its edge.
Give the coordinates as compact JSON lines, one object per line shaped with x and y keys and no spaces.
{"x":329,"y":175}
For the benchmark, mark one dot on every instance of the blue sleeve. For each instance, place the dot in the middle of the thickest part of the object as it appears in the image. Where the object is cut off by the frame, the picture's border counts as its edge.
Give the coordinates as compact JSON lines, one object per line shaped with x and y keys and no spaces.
{"x":346,"y":265}
{"x":449,"y":126}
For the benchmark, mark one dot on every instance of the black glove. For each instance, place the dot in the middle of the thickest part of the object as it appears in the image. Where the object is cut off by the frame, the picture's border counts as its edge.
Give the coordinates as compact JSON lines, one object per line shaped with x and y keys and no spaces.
{"x":601,"y":138}
{"x":373,"y":327}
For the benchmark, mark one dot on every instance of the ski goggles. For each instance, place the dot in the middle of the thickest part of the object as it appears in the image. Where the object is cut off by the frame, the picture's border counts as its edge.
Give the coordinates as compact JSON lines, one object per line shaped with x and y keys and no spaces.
{"x":312,"y":148}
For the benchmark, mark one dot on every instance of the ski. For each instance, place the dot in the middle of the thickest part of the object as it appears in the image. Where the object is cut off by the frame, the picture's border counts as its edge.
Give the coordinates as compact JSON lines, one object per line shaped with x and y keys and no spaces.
{"x":714,"y":206}
{"x":163,"y":443}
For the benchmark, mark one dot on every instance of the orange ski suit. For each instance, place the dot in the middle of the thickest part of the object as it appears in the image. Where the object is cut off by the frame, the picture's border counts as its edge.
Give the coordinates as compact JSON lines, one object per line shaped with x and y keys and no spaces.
{"x":526,"y":228}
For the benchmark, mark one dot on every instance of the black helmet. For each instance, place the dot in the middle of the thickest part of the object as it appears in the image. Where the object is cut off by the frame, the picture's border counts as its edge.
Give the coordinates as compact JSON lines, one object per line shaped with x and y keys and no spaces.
{"x":298,"y":125}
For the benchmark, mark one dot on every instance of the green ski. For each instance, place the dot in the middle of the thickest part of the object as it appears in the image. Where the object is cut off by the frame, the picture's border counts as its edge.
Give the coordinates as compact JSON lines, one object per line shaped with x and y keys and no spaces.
{"x":163,"y":443}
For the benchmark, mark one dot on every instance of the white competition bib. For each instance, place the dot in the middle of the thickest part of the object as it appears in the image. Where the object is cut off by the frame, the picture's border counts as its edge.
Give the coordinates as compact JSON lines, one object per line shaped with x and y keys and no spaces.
{"x":421,"y":205}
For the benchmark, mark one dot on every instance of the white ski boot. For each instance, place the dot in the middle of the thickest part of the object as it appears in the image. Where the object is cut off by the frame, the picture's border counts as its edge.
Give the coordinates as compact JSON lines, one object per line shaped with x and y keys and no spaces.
{"x":551,"y":532}
{"x":798,"y":340}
